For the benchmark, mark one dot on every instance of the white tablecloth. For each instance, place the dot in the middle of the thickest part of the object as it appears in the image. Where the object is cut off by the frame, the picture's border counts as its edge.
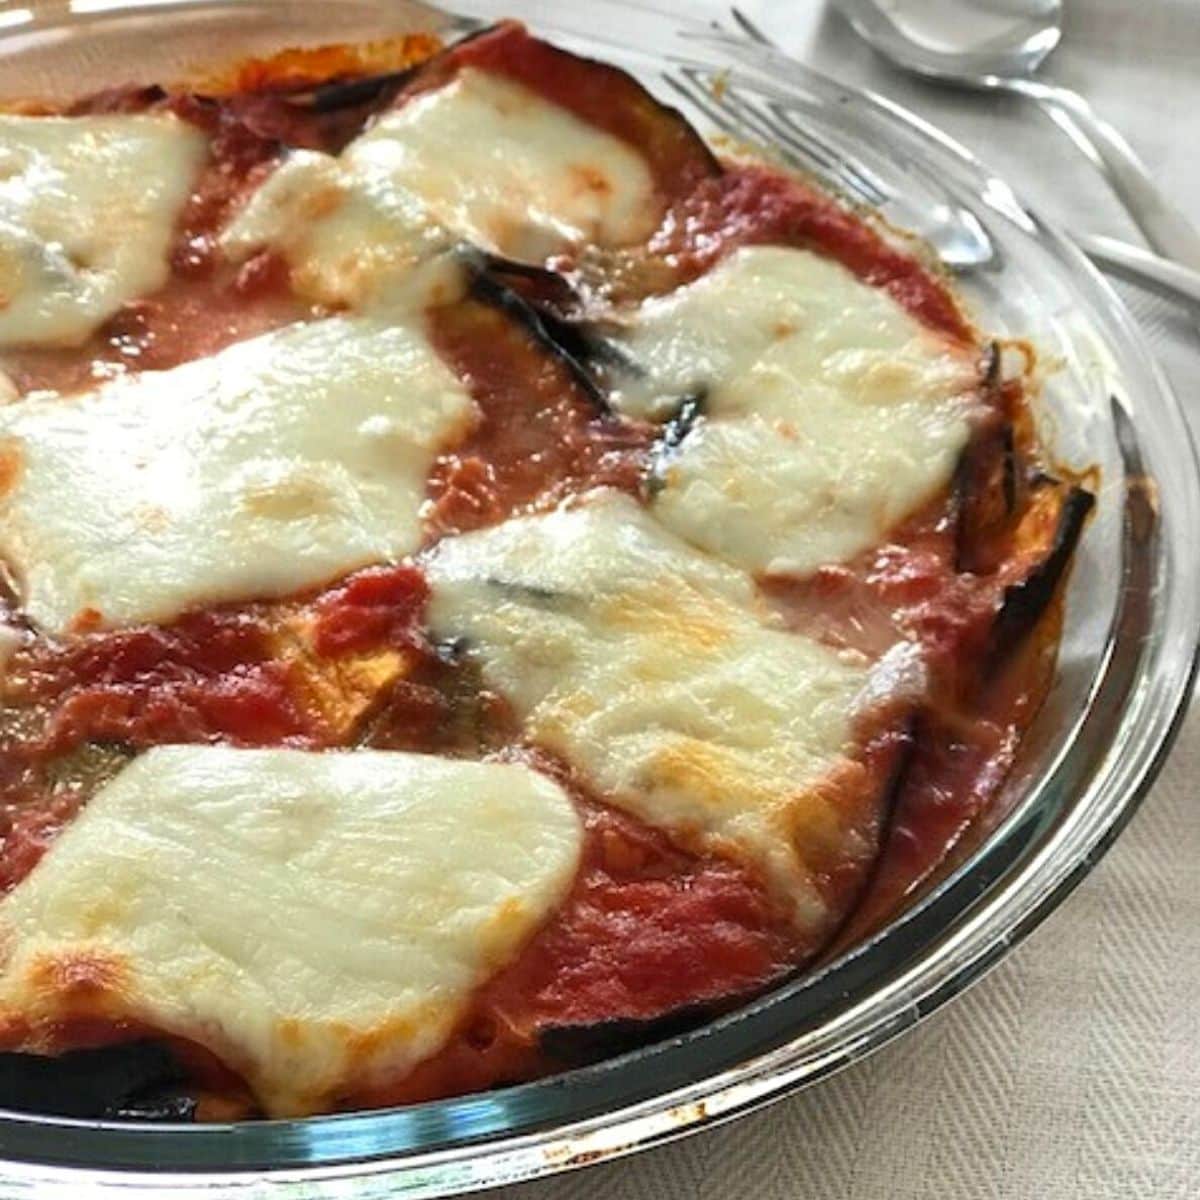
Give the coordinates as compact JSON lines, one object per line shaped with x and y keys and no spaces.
{"x":1072,"y":1072}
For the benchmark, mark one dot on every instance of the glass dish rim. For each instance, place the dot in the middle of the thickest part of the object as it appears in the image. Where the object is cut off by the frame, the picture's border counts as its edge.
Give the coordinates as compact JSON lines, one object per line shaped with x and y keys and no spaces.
{"x":472,"y":1151}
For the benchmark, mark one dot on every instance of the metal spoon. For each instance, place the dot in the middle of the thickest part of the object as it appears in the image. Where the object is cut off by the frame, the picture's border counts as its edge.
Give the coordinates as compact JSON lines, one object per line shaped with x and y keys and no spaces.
{"x":960,"y":241}
{"x":998,"y":45}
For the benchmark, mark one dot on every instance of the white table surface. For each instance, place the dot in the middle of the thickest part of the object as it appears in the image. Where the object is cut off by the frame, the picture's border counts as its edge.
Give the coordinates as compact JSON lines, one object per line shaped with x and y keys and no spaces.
{"x":1072,"y":1072}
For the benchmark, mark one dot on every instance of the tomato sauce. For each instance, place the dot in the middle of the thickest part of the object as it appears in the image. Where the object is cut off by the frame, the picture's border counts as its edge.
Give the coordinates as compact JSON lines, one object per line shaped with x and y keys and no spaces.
{"x":379,"y":605}
{"x":970,"y":724}
{"x":540,"y":438}
{"x":212,"y":676}
{"x":753,"y":204}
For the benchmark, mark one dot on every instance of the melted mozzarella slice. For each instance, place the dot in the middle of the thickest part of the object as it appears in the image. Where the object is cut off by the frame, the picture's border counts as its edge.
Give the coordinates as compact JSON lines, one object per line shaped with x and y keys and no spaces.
{"x":511,"y":170}
{"x":349,"y":237}
{"x":272,"y":466}
{"x":481,"y":158}
{"x":830,"y":412}
{"x":317,"y":921}
{"x":87,"y":211}
{"x":650,"y":667}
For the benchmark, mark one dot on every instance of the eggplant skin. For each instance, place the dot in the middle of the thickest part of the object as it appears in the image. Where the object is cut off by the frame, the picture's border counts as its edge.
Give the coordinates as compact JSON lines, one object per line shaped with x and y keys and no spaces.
{"x":575,"y":1045}
{"x":347,"y":93}
{"x":688,"y":414}
{"x":986,"y":498}
{"x":487,"y":288}
{"x":132,"y":1080}
{"x":158,"y":1104}
{"x":1050,"y":553}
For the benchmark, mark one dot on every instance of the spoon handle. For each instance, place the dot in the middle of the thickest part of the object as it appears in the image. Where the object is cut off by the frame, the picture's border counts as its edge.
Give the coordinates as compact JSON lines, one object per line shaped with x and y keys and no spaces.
{"x":1159,"y":275}
{"x":1164,"y":226}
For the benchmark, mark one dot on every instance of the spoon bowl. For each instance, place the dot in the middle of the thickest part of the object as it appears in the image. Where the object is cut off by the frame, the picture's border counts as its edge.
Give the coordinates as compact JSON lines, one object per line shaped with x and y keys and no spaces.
{"x":999,"y":45}
{"x":960,"y":40}
{"x":960,"y":241}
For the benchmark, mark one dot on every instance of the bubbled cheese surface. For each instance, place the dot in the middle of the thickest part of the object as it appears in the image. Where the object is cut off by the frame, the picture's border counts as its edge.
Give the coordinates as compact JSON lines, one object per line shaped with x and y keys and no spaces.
{"x":830,"y":413}
{"x":276,"y":465}
{"x":318,"y":921}
{"x":88,"y":207}
{"x":482,"y":159}
{"x":650,"y":667}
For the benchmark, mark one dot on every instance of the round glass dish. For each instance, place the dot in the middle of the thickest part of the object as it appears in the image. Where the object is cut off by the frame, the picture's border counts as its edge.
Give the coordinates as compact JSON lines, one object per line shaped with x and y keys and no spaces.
{"x":1126,"y":664}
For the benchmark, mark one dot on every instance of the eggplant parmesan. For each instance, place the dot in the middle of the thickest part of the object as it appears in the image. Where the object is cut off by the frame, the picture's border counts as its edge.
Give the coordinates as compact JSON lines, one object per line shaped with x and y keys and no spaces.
{"x":487,"y":580}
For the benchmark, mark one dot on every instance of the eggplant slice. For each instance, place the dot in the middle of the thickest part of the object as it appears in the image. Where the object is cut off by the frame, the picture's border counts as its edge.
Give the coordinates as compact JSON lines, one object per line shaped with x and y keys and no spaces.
{"x":488,"y":287}
{"x":1044,"y":542}
{"x":132,"y":1080}
{"x":1013,"y":521}
{"x":986,"y":497}
{"x":579,"y":1044}
{"x":349,"y":93}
